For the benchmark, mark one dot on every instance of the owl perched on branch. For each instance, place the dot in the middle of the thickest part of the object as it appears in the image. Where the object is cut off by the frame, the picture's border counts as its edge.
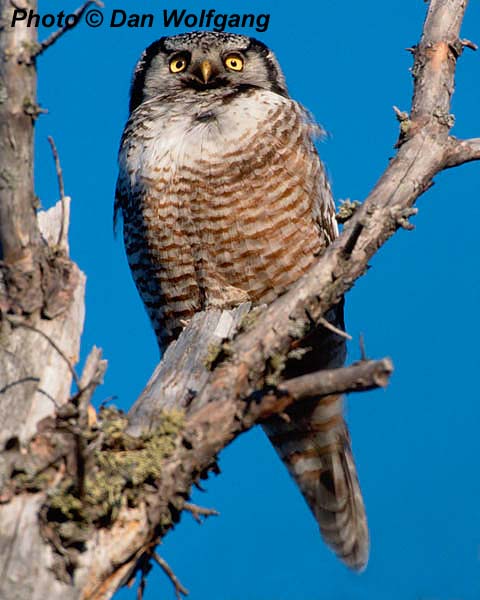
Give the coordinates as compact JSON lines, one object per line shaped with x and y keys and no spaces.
{"x":225,"y":200}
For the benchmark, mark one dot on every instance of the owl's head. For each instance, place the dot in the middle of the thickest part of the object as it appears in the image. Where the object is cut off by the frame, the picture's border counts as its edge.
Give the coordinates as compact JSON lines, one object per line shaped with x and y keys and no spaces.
{"x":204,"y":61}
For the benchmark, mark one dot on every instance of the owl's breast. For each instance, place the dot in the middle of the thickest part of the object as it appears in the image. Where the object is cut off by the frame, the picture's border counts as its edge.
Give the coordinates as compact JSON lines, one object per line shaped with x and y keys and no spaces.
{"x":226,"y":191}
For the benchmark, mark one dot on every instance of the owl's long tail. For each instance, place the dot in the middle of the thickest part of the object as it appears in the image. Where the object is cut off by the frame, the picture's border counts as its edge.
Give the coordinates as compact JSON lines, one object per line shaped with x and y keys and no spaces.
{"x":315,"y":447}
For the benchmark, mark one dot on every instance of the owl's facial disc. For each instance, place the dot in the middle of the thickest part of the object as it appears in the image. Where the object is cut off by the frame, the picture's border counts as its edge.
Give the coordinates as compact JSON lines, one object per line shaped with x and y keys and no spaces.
{"x":204,"y":61}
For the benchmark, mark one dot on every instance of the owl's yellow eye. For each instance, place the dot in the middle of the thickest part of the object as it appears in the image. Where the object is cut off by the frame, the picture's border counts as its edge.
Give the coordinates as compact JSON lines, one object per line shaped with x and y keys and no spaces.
{"x":178,"y":64}
{"x":234,"y":62}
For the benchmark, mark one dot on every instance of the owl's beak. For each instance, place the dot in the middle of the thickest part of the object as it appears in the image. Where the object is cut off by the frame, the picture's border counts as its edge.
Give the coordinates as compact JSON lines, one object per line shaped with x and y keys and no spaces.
{"x":206,"y":70}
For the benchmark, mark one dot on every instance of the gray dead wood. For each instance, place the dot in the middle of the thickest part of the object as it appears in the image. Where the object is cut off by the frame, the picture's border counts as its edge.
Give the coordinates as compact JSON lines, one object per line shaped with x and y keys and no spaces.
{"x":182,"y":372}
{"x":35,"y":380}
{"x":36,"y":352}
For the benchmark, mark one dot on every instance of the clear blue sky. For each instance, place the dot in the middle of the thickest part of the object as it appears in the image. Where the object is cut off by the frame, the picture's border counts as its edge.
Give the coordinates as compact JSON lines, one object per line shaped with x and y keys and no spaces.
{"x":416,"y":444}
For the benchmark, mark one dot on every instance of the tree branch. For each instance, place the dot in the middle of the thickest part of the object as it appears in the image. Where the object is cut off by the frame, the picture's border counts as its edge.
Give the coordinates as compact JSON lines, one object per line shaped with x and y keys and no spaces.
{"x":62,"y":242}
{"x":42,"y":46}
{"x":462,"y":151}
{"x":199,"y":511}
{"x":361,"y":376}
{"x":180,"y":590}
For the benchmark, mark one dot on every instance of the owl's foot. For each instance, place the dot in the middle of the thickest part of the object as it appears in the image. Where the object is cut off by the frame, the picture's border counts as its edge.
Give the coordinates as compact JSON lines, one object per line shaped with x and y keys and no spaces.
{"x":225,"y":297}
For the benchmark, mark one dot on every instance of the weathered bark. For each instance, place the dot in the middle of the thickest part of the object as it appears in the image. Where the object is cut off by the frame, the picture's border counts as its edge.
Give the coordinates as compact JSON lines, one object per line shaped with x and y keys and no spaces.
{"x":221,"y":380}
{"x":34,"y":277}
{"x":35,"y":374}
{"x":18,"y":82}
{"x":36,"y":358}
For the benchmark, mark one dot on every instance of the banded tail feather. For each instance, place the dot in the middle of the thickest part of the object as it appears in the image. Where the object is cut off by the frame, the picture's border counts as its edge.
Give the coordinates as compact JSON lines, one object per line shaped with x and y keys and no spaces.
{"x":314,"y":445}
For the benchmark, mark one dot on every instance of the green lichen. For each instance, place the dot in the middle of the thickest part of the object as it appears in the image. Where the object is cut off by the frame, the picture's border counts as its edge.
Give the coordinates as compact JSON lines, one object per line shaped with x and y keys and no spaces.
{"x":297,"y":328}
{"x":213,"y":352}
{"x":117,"y":470}
{"x":250,"y":318}
{"x":276,"y":365}
{"x":216,"y":353}
{"x":405,"y":127}
{"x":31,"y":48}
{"x":298,"y":353}
{"x":32,"y":109}
{"x":94,"y":472}
{"x":68,"y":505}
{"x":346,"y":210}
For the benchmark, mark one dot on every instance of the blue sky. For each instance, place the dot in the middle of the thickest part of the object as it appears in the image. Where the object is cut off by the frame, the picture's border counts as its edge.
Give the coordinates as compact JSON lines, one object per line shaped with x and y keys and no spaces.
{"x":416,"y":444}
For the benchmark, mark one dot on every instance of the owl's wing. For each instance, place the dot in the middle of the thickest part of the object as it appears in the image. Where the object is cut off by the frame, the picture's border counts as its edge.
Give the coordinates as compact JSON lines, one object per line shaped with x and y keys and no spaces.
{"x":145,"y":275}
{"x":315,"y":444}
{"x":323,"y":204}
{"x":118,"y":205}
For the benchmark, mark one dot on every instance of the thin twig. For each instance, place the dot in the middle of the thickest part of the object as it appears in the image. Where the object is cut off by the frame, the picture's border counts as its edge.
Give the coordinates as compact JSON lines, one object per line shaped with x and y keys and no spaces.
{"x":179,"y":588}
{"x":91,"y":377}
{"x":400,"y":114}
{"x":141,"y":587}
{"x":16,"y":323}
{"x":330,"y":327}
{"x":42,"y":46}
{"x":8,"y":386}
{"x":61,"y":189}
{"x":145,"y":568}
{"x":198,"y":511}
{"x":58,"y":167}
{"x":469,"y":44}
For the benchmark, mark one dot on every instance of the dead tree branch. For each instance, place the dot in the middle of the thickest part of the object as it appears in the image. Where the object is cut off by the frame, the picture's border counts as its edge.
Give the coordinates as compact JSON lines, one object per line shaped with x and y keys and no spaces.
{"x":362,"y":376}
{"x":180,"y":590}
{"x":56,"y":35}
{"x":62,"y":242}
{"x":199,"y":511}
{"x":463,"y":151}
